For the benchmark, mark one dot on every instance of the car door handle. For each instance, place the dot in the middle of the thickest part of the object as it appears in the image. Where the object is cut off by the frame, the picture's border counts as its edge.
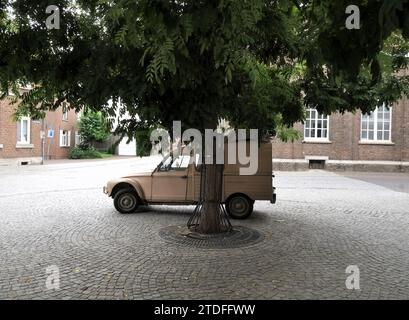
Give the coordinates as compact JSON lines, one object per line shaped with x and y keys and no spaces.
{"x":183,"y":177}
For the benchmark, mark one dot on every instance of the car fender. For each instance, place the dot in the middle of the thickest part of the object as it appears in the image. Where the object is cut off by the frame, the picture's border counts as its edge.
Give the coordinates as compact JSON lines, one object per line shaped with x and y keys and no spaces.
{"x":132,"y":183}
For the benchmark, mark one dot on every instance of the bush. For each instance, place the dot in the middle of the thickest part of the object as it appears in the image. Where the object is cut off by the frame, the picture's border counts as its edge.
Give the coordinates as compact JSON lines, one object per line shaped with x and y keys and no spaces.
{"x":84,"y":153}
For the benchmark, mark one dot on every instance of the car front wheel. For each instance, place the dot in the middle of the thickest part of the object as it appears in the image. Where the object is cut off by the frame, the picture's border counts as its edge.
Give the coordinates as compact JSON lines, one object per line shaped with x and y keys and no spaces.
{"x":126,"y":201}
{"x":239,"y":207}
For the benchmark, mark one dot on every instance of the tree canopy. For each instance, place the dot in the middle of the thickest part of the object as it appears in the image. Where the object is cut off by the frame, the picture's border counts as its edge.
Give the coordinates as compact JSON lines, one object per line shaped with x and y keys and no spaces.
{"x":255,"y":63}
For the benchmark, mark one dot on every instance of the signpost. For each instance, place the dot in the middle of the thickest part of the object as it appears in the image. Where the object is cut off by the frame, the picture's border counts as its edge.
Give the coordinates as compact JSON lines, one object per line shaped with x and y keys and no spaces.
{"x":43,"y":135}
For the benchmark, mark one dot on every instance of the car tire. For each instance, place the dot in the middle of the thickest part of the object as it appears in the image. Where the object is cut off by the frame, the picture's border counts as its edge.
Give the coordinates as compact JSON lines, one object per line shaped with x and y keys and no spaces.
{"x":126,"y":201}
{"x":239,"y":207}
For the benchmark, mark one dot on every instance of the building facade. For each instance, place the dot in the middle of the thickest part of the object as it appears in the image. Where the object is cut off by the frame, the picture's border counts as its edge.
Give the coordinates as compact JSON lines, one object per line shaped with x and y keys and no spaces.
{"x":21,"y":141}
{"x":382,"y":136}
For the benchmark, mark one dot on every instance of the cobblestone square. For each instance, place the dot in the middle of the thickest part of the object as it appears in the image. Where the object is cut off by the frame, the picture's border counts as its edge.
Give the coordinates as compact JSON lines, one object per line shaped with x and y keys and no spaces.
{"x":57,"y":215}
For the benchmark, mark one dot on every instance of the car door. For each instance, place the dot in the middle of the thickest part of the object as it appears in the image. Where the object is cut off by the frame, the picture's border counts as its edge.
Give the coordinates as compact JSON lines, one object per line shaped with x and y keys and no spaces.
{"x":169,"y":184}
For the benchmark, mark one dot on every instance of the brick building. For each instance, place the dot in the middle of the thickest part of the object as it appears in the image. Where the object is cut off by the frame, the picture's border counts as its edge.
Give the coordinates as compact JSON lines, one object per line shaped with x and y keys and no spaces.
{"x":339,"y":141}
{"x":21,"y":143}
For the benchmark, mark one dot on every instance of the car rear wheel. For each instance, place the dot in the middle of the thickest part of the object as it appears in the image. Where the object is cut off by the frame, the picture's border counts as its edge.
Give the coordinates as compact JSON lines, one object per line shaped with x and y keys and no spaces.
{"x":239,"y":207}
{"x":126,"y":201}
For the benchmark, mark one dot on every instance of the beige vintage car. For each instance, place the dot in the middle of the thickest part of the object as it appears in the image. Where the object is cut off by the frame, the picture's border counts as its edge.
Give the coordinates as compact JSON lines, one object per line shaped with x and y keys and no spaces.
{"x":176,"y":181}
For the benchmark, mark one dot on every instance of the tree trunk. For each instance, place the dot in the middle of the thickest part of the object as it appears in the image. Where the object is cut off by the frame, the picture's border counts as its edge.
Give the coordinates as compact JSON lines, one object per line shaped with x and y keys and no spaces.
{"x":209,"y":216}
{"x":210,"y":220}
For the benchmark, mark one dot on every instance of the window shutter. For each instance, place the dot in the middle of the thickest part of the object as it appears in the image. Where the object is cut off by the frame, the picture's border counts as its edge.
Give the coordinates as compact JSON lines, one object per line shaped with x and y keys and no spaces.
{"x":69,"y":139}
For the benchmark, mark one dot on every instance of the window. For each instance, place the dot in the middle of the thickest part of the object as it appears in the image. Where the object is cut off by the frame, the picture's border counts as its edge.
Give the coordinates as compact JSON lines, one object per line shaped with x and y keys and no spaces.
{"x":179,"y":163}
{"x":65,"y":111}
{"x":77,"y":138}
{"x":166,"y":164}
{"x":376,"y":126}
{"x":23,"y":131}
{"x":65,"y":138}
{"x":316,"y":126}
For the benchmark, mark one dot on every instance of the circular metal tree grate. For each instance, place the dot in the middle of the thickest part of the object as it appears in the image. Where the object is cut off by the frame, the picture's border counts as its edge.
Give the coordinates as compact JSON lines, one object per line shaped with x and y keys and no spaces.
{"x":238,"y":237}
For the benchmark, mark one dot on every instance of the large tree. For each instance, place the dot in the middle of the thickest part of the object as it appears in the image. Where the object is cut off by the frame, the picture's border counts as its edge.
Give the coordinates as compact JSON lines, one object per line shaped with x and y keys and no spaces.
{"x":255,"y":63}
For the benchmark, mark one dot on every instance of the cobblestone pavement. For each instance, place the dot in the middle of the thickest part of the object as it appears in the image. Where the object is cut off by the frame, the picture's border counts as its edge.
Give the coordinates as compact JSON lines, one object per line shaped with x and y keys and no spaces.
{"x":57,"y":216}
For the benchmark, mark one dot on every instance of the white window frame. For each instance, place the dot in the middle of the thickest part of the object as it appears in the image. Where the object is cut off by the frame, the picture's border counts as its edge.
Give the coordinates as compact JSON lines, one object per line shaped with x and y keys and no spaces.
{"x":24,"y":142}
{"x":65,"y":143}
{"x":375,"y":127}
{"x":77,"y":138}
{"x":318,"y":117}
{"x":65,"y":111}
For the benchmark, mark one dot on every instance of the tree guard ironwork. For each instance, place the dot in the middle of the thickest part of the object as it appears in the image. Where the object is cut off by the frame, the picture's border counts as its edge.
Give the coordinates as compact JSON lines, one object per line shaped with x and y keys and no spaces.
{"x":194,"y":222}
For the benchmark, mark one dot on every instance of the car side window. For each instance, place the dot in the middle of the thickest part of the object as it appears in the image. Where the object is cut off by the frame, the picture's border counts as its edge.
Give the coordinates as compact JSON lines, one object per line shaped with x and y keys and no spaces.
{"x":166,"y":165}
{"x":198,"y":163}
{"x":178,"y":163}
{"x":181,"y":162}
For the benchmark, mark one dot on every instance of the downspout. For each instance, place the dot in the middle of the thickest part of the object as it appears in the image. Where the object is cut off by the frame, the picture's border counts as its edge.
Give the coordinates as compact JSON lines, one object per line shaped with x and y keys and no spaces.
{"x":404,"y":120}
{"x":42,"y":141}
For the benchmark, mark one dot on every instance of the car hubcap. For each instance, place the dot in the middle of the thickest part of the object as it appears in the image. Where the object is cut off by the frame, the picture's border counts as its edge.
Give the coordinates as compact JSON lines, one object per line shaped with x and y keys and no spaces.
{"x":127,"y":201}
{"x":239,"y":206}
